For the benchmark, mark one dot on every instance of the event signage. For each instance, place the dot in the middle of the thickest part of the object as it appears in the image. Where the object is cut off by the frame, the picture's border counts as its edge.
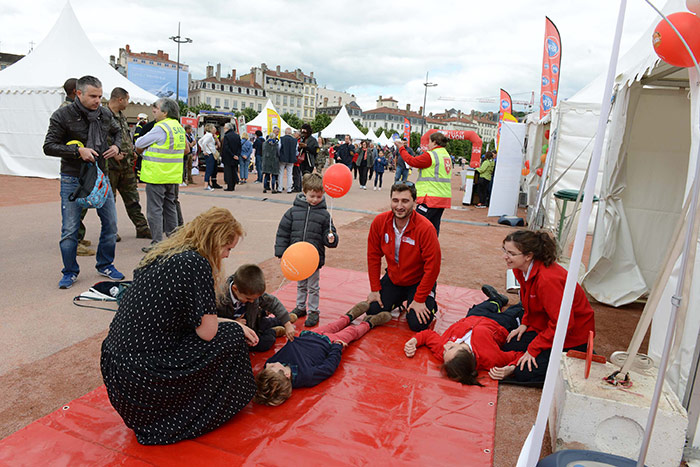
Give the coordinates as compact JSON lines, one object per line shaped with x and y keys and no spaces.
{"x":407,"y":129}
{"x":551,"y":60}
{"x":193,"y":122}
{"x":273,"y":120}
{"x":506,"y":106}
{"x":157,"y":80}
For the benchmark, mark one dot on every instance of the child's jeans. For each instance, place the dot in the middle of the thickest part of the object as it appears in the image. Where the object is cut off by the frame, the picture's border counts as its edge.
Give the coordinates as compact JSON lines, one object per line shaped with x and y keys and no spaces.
{"x":378,"y":178}
{"x":309,"y":288}
{"x":342,"y":330}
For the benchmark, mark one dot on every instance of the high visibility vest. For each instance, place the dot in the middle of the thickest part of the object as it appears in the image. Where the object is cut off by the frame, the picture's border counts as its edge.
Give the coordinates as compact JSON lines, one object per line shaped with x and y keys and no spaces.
{"x":162,"y":163}
{"x":434,"y":186}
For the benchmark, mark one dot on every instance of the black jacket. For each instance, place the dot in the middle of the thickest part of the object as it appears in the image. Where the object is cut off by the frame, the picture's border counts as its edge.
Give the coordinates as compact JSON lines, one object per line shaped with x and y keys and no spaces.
{"x":305,"y":223}
{"x":288,"y":149}
{"x":69,"y":124}
{"x":344,"y":154}
{"x":230,"y":147}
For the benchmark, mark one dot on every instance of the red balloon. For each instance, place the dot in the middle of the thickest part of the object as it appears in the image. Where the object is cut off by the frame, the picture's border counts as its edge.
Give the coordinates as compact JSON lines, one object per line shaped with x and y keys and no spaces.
{"x":668,"y":45}
{"x":299,"y":261}
{"x":546,"y":134}
{"x":527,"y":165}
{"x":539,"y":171}
{"x":337,"y":180}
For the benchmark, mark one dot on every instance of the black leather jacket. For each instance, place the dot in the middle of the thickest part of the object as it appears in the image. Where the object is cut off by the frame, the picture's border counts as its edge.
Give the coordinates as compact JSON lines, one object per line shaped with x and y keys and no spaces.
{"x":68,"y":124}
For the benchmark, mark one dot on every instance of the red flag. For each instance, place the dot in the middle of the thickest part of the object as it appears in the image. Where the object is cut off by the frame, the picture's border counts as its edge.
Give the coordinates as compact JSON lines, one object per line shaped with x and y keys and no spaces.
{"x":551,"y":59}
{"x":407,"y":129}
{"x":505,"y":105}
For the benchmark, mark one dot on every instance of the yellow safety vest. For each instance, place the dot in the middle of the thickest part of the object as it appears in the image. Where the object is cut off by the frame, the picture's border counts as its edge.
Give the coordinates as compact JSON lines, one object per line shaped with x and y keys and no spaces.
{"x":162,"y":163}
{"x":434,"y":185}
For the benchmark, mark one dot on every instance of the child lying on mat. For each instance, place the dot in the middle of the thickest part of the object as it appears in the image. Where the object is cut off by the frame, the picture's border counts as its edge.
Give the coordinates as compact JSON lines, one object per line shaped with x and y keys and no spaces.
{"x":313,"y":356}
{"x":473,"y":343}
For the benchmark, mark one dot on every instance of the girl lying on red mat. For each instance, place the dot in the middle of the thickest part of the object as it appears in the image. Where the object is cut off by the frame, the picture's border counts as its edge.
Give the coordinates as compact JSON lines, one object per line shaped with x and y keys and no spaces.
{"x":313,"y":356}
{"x":473,"y":343}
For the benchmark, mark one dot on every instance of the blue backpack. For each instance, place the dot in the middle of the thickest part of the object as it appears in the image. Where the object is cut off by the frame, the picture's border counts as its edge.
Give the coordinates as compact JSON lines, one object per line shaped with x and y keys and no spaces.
{"x":93,"y":189}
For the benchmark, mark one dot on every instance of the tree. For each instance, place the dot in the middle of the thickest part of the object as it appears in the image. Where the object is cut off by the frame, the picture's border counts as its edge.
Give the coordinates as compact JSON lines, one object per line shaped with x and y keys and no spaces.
{"x":358,"y":124}
{"x":201,"y":106}
{"x":320,"y":122}
{"x":415,"y":140}
{"x":249,"y":113}
{"x":183,"y":108}
{"x":292,"y":119}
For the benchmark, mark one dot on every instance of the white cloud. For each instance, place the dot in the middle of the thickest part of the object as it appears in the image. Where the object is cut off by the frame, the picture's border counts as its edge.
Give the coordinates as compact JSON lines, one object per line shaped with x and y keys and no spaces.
{"x":365,"y":47}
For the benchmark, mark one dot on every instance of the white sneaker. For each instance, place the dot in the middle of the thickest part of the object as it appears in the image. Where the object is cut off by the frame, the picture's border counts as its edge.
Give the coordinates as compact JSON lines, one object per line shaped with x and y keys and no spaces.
{"x":183,"y":184}
{"x":375,"y":188}
{"x":208,"y":188}
{"x":380,"y":188}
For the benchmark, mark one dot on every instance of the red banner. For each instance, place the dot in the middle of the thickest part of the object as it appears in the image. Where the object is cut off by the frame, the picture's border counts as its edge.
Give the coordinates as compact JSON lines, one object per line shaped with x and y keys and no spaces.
{"x":551,"y":59}
{"x":407,"y":129}
{"x":505,"y":105}
{"x":457,"y":134}
{"x":189,"y":121}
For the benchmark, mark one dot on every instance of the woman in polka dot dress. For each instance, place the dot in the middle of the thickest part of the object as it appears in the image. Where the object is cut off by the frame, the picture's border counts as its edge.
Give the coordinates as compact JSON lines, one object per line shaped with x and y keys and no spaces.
{"x":172,"y":371}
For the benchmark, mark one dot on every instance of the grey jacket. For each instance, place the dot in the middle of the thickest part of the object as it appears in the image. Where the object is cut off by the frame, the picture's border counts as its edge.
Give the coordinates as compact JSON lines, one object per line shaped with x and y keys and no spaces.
{"x":255,"y":310}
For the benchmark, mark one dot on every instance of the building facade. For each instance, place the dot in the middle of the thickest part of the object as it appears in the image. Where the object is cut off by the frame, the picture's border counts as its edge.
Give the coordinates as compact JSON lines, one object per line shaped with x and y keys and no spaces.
{"x":291,"y":92}
{"x":328,"y":98}
{"x":227,"y":94}
{"x":391,"y":119}
{"x":353,"y":109}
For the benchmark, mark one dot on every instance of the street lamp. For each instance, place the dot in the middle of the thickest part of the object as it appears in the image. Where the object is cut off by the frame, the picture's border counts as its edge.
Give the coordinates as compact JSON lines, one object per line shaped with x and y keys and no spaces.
{"x":425,"y":95}
{"x":179,"y":40}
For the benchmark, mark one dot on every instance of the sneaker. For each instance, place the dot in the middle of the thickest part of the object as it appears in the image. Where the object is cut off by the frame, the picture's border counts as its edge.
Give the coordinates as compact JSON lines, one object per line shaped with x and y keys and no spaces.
{"x":144,"y":233}
{"x":208,"y":188}
{"x":119,"y":239}
{"x":379,"y":189}
{"x":279,"y":331}
{"x":378,"y":319}
{"x":375,"y":188}
{"x":146,"y":249}
{"x":183,"y":184}
{"x":358,"y":310}
{"x":111,"y":272}
{"x":84,"y":251}
{"x":293,"y":317}
{"x":298,"y":312}
{"x":85,"y":242}
{"x":311,"y":319}
{"x":67,"y":281}
{"x":493,"y":295}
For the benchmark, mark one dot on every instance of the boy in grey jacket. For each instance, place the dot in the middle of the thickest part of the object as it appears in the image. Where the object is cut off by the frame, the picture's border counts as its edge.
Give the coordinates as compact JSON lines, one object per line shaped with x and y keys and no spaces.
{"x":308,"y":221}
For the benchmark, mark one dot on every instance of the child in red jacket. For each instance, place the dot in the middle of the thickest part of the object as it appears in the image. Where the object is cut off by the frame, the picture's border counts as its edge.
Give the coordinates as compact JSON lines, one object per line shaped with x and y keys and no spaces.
{"x":473,"y":343}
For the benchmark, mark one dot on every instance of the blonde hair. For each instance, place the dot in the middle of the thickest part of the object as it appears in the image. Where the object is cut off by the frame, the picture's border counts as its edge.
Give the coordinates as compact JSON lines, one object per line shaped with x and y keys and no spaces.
{"x":244,"y":135}
{"x":273,"y":387}
{"x":206,"y":234}
{"x":312,"y":182}
{"x":210,"y":127}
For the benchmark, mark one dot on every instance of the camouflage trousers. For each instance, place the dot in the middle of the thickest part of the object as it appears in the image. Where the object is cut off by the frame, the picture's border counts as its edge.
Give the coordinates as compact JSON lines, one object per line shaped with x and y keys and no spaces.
{"x":122,"y":179}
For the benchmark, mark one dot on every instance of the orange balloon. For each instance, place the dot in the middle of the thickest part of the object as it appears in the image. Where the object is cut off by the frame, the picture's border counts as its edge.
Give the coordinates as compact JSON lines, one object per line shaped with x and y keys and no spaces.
{"x":299,"y":261}
{"x":543,"y":158}
{"x":337,"y":180}
{"x":525,"y":172}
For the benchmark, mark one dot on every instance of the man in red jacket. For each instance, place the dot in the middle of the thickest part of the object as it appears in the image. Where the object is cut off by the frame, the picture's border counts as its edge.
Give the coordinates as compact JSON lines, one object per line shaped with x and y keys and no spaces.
{"x":412,"y":251}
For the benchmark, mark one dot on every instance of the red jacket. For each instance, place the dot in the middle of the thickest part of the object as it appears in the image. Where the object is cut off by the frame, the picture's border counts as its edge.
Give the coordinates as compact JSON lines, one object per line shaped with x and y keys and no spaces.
{"x":487,"y":338}
{"x":419,"y":254}
{"x":541,"y":297}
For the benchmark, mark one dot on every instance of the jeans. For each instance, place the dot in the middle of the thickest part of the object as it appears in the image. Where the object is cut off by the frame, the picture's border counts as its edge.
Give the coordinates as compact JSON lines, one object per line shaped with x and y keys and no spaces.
{"x":401,"y":174}
{"x":244,"y":168}
{"x":289,"y":166}
{"x":378,"y":179}
{"x":210,"y":168}
{"x":258,"y":167}
{"x":70,"y":222}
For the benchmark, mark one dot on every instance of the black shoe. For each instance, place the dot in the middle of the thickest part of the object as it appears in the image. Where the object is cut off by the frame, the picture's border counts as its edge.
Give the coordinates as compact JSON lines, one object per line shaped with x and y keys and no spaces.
{"x":264,"y":190}
{"x":493,"y":295}
{"x":230,"y":189}
{"x":299,"y":312}
{"x":216,"y":186}
{"x":311,"y":319}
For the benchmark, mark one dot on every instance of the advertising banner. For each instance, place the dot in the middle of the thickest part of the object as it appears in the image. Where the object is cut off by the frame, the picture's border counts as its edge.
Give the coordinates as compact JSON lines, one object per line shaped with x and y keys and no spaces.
{"x":157,"y":80}
{"x":273,"y":119}
{"x":551,"y":59}
{"x":505,"y":106}
{"x":193,"y":122}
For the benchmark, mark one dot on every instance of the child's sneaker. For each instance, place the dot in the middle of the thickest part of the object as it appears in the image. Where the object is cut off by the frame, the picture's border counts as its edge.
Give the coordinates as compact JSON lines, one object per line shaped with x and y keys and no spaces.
{"x":299,"y":312}
{"x":279,"y":331}
{"x":67,"y":281}
{"x":293,"y":317}
{"x":378,"y":319}
{"x":311,"y":319}
{"x":357,"y":310}
{"x":111,"y":272}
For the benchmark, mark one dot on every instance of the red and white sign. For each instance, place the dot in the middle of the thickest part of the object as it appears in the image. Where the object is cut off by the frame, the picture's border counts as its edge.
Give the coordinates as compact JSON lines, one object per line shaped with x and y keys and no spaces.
{"x":189,"y":121}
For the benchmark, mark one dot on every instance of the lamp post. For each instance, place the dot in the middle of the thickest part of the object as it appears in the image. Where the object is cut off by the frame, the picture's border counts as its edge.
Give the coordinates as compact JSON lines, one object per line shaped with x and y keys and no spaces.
{"x":425,"y":95}
{"x":179,"y":40}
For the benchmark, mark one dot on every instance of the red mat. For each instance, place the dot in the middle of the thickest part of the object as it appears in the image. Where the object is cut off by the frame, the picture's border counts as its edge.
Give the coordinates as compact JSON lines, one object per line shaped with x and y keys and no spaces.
{"x":378,"y":408}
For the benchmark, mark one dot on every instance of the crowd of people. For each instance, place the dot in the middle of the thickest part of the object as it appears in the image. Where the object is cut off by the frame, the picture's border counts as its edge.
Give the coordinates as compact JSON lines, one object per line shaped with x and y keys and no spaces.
{"x":176,"y":359}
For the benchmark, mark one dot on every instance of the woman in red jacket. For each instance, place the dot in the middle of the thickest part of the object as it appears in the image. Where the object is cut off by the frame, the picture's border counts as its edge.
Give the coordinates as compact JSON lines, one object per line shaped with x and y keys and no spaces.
{"x":531,"y":256}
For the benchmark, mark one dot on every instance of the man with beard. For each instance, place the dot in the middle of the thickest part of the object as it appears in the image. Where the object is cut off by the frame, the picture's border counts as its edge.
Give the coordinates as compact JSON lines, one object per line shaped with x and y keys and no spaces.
{"x":410,"y":245}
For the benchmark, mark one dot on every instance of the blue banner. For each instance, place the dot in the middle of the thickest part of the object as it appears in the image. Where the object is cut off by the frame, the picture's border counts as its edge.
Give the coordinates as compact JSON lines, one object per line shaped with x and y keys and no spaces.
{"x":157,"y":80}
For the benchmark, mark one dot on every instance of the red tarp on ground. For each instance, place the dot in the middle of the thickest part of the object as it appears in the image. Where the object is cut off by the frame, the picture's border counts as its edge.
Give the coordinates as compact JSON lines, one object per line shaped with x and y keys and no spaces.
{"x":378,"y":408}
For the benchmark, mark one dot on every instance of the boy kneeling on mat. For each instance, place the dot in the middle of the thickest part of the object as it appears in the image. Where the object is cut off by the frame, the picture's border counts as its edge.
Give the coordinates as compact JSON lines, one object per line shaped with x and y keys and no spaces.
{"x":246,"y":302}
{"x":313,"y":356}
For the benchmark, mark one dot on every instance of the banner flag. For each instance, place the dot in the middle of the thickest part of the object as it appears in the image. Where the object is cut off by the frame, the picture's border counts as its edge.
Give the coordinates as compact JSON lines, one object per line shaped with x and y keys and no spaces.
{"x":505,"y":106}
{"x":551,"y":59}
{"x":273,"y":119}
{"x":407,"y":129}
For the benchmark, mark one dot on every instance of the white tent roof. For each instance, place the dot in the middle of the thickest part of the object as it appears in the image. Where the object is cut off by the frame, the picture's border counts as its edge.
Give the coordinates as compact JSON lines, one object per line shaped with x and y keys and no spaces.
{"x":342,"y":125}
{"x":66,"y":52}
{"x":371,"y":136}
{"x":384,"y":141}
{"x":261,"y":119}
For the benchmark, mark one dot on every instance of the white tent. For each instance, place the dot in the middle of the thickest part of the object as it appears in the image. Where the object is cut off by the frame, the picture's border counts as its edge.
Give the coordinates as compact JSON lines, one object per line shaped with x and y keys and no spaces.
{"x":342,"y":125}
{"x":372,"y":136}
{"x":32,"y":89}
{"x":384,"y":141}
{"x":261,"y":120}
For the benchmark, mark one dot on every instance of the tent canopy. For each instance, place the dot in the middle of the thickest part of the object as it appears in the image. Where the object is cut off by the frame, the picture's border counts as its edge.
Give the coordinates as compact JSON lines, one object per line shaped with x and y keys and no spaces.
{"x":342,"y":125}
{"x":261,"y":120}
{"x":32,"y":89}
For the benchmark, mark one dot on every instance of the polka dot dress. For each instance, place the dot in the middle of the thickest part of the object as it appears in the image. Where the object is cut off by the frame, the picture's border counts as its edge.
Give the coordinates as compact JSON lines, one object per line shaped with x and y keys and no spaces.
{"x":165,"y":382}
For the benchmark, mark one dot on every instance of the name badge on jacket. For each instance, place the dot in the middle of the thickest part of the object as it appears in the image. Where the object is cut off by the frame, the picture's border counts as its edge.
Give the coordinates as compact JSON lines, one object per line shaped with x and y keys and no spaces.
{"x":408,"y":240}
{"x":386,"y":238}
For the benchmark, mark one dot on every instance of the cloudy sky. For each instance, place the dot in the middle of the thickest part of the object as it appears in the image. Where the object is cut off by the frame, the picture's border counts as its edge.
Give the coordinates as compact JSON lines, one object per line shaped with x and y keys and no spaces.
{"x":368,"y":48}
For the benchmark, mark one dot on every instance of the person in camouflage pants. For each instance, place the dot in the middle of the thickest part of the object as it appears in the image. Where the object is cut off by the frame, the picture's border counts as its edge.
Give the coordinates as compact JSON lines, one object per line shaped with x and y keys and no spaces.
{"x":121,"y":173}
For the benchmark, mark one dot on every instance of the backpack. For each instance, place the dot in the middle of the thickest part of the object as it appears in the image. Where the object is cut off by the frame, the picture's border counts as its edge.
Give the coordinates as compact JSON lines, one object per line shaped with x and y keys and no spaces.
{"x":93,"y":188}
{"x":104,"y":291}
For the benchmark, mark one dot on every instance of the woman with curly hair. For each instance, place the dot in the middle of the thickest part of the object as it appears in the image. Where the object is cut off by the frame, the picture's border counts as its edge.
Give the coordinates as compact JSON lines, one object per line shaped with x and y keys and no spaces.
{"x":532,"y":257}
{"x":172,"y":371}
